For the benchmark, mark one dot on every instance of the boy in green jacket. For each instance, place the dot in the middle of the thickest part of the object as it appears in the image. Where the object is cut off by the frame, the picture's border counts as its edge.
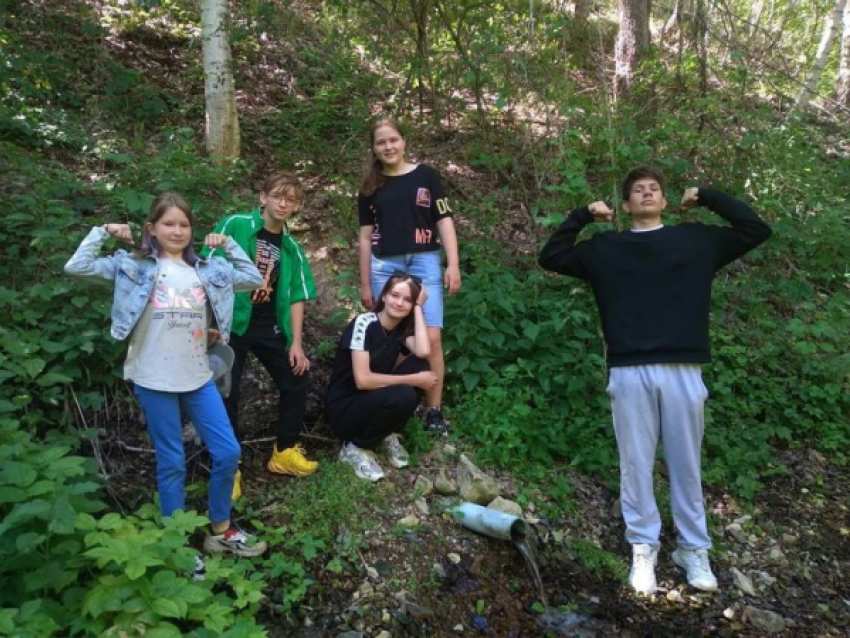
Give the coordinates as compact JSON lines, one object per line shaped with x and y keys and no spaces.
{"x":269,"y":320}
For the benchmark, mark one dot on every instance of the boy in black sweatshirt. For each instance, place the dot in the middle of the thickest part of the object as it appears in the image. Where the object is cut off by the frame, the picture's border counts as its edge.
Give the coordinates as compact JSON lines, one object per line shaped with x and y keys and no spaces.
{"x":653,"y":288}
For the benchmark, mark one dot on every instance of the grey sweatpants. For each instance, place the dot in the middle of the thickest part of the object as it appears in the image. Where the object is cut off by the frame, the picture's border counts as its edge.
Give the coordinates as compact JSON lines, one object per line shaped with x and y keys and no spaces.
{"x":666,"y":400}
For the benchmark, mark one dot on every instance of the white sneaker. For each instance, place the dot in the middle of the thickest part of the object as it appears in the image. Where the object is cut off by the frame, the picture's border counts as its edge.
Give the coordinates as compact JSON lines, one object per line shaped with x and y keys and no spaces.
{"x":363,"y":461}
{"x":695,"y":563}
{"x":399,"y":457}
{"x":642,"y":574}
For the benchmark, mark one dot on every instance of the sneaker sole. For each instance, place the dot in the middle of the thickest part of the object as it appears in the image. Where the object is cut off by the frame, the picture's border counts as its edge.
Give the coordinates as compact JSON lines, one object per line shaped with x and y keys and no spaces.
{"x":213,"y":547}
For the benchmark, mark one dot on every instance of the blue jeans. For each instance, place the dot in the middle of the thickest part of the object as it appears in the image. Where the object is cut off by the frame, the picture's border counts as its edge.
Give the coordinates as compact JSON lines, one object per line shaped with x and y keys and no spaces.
{"x":205,"y":408}
{"x":425,"y":266}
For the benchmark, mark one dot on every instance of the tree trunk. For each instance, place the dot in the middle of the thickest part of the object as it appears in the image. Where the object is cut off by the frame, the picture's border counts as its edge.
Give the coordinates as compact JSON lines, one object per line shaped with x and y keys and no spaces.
{"x":222,"y":118}
{"x":581,"y":11}
{"x":825,"y":46}
{"x":632,"y":41}
{"x":843,"y":83}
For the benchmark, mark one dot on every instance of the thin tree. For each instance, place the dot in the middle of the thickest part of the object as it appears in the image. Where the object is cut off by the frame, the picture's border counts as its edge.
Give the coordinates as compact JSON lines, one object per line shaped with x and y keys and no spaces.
{"x":632,"y":41}
{"x":222,"y":118}
{"x":822,"y":55}
{"x":842,"y":84}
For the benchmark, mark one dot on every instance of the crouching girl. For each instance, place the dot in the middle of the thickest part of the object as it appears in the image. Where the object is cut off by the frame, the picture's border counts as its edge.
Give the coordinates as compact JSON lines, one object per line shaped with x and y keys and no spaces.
{"x":163,"y":296}
{"x":379,"y":375}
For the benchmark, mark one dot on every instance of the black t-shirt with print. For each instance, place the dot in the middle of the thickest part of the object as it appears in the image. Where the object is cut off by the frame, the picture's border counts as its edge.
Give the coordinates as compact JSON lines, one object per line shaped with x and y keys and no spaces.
{"x":405,"y":212}
{"x":365,"y":333}
{"x":267,"y":259}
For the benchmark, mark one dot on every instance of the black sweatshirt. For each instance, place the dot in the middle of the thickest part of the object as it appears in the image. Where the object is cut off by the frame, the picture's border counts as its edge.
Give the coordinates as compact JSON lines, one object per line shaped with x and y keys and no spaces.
{"x":653,"y":288}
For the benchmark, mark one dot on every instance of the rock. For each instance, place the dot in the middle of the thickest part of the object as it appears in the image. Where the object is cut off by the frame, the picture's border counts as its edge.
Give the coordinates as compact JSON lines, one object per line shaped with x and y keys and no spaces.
{"x":766,"y":579}
{"x":384,"y":634}
{"x":458,"y":628}
{"x":790,"y":539}
{"x":372,"y":573}
{"x":504,"y":505}
{"x":742,"y":520}
{"x":308,"y":622}
{"x":423,"y":486}
{"x":742,"y":581}
{"x":421,"y":506}
{"x":411,"y":520}
{"x":444,"y":484}
{"x":480,"y":623}
{"x":366,"y":589}
{"x":475,"y":486}
{"x":385,"y":616}
{"x":351,"y":634}
{"x":764,"y":620}
{"x":438,"y":570}
{"x":735,"y":531}
{"x":729,"y":613}
{"x":776,"y":555}
{"x":449,"y":451}
{"x":454,"y":558}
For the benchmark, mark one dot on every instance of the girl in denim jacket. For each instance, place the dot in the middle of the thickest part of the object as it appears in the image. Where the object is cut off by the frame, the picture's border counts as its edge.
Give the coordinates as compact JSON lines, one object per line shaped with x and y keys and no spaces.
{"x":163,"y":296}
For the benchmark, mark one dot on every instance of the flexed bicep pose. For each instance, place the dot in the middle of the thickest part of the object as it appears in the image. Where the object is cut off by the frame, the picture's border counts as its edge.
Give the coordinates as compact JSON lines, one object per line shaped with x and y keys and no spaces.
{"x":379,"y":374}
{"x":163,"y":297}
{"x":652,"y":285}
{"x":405,"y":217}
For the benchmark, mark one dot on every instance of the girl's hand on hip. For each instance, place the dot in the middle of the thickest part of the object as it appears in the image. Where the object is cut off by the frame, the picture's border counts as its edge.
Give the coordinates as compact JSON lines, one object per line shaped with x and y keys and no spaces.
{"x":122,"y":232}
{"x":452,"y":279}
{"x":215,"y":240}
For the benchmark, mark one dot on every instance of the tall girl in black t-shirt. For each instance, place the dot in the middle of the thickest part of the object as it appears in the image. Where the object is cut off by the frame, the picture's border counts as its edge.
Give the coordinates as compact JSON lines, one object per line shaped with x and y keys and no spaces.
{"x":404,"y":218}
{"x":379,"y":374}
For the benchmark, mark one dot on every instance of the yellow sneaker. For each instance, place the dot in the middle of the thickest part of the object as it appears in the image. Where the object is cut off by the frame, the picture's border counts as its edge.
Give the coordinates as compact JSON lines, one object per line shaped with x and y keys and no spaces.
{"x":291,"y":461}
{"x":236,"y":494}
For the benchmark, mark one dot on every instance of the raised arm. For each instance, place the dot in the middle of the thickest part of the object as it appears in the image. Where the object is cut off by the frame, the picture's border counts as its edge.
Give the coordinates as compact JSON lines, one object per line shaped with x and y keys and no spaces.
{"x":747,"y":231}
{"x":245,"y":274}
{"x":86,"y":264}
{"x":561,"y":254}
{"x":419,"y":343}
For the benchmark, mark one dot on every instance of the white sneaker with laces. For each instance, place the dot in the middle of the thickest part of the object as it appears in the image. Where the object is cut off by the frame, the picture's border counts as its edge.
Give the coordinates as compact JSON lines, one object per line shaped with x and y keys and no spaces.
{"x":363,"y":461}
{"x":399,"y":457}
{"x":642,"y":574}
{"x":695,"y":563}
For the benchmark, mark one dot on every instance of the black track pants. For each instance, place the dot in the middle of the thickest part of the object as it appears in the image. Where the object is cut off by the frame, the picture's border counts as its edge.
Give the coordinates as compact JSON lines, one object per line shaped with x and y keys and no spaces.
{"x":268,"y":344}
{"x":368,"y":417}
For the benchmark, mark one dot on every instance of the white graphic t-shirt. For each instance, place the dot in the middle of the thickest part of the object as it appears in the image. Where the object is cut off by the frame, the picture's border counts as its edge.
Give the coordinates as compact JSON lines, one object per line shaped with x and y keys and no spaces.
{"x":168,"y":347}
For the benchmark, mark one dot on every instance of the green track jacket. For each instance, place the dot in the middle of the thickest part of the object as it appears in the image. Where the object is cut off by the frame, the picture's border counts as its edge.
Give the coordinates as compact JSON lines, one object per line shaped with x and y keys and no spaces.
{"x":295,"y":282}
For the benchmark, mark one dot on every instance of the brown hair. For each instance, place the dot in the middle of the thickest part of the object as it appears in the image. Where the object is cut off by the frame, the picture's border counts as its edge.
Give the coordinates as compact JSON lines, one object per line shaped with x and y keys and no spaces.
{"x":283,"y":182}
{"x":406,"y":324}
{"x":638,"y":173}
{"x":150,"y":246}
{"x":374,"y":176}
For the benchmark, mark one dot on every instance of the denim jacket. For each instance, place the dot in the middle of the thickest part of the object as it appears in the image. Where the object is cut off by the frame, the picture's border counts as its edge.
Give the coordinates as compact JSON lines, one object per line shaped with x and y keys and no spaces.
{"x":134,"y":279}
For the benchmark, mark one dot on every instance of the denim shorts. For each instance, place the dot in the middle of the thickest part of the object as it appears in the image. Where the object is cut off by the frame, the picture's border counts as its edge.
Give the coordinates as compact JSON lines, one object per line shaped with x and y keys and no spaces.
{"x":426,"y":266}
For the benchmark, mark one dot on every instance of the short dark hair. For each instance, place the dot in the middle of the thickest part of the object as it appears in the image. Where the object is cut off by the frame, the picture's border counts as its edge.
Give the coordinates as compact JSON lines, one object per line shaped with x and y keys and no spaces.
{"x":638,"y":173}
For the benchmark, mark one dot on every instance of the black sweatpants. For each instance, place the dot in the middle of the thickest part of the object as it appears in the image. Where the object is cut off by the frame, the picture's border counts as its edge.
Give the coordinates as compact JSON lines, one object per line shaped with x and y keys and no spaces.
{"x":268,"y":343}
{"x":369,"y":416}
